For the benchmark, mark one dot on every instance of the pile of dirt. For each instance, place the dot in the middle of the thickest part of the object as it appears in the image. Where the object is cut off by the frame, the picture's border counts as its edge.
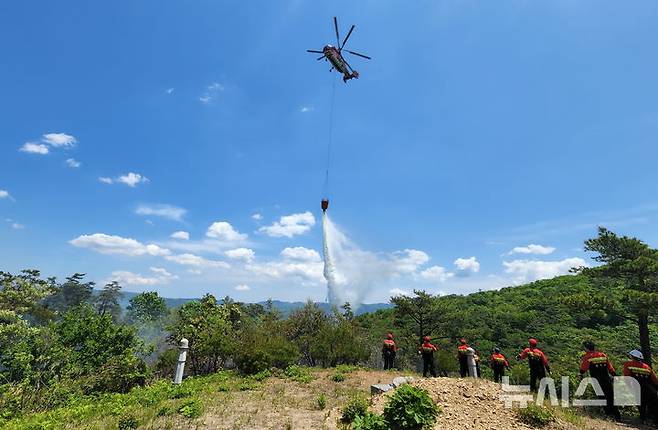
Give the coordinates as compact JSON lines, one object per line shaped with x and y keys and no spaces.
{"x":476,"y":404}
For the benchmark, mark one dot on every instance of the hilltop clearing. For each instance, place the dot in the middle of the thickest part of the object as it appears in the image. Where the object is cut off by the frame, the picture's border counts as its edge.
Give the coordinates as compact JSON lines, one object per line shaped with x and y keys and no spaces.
{"x":296,"y":399}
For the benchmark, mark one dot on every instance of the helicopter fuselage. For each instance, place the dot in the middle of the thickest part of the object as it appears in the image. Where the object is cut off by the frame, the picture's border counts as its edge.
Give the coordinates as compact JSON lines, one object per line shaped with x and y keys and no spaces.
{"x":336,"y":59}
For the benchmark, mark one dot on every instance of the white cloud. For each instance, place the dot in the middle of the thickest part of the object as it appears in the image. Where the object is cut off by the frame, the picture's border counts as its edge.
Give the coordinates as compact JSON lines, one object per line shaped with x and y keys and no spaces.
{"x":532,"y":249}
{"x":307,"y":272}
{"x":242,"y":287}
{"x":59,"y":139}
{"x":244,"y":254}
{"x":224,"y":231}
{"x":180,"y":235}
{"x":196,"y":261}
{"x":73,"y":163}
{"x":532,"y":270}
{"x":257,"y":217}
{"x":436,"y":274}
{"x":108,"y":244}
{"x":129,"y":278}
{"x":305,"y":109}
{"x":34,"y":148}
{"x":290,"y":225}
{"x":164,"y":211}
{"x":169,"y":90}
{"x":399,"y":292}
{"x":211,"y":92}
{"x":409,"y":260}
{"x":300,"y":253}
{"x":467,"y":266}
{"x":17,"y":226}
{"x":4,"y":194}
{"x":131,"y":179}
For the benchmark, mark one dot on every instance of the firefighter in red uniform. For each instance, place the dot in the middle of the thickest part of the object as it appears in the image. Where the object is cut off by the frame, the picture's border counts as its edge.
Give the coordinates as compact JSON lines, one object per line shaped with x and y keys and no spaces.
{"x":643,"y":373}
{"x":600,"y":368}
{"x":427,"y":352}
{"x":537,"y":362}
{"x":389,"y":348}
{"x":462,"y":352}
{"x":498,"y":364}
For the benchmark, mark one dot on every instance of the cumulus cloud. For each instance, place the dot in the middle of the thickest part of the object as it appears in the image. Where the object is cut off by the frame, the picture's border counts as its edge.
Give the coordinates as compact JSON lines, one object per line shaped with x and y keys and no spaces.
{"x":180,"y":235}
{"x":532,"y":249}
{"x":305,"y":109}
{"x":300,"y":253}
{"x":197,"y":261}
{"x":4,"y":194}
{"x":73,"y":163}
{"x":224,"y":231}
{"x":290,"y":225}
{"x":34,"y":148}
{"x":108,"y":244}
{"x":467,"y":266}
{"x":59,"y":139}
{"x":531,"y":270}
{"x":131,"y":179}
{"x":409,"y":260}
{"x":160,"y":277}
{"x":436,"y":274}
{"x":242,"y":287}
{"x":171,"y":212}
{"x":243,"y":254}
{"x":257,"y":217}
{"x":304,"y":271}
{"x":169,"y":90}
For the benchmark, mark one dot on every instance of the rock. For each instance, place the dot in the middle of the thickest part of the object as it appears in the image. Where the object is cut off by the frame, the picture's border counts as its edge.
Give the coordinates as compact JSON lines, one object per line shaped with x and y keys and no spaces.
{"x":380,"y":388}
{"x":400,"y":380}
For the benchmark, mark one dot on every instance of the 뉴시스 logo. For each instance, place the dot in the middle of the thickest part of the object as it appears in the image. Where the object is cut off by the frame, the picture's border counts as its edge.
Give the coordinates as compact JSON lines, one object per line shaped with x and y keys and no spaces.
{"x":626,"y":392}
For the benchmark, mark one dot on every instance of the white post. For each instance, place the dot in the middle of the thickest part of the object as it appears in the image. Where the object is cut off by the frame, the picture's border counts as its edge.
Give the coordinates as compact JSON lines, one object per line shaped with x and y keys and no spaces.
{"x":470,"y":359}
{"x":182,"y":356}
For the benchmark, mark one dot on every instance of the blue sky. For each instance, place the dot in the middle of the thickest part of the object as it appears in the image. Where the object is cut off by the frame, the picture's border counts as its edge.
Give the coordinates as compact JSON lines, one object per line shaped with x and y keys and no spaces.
{"x":477,"y":128}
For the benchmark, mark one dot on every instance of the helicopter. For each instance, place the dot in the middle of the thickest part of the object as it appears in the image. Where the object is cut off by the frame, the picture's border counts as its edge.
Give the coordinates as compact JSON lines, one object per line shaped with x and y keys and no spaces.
{"x":335,"y":55}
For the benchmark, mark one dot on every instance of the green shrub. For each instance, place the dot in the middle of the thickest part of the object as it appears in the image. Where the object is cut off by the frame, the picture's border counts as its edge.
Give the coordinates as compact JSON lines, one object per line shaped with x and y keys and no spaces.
{"x":346,"y":368}
{"x":338,"y":377}
{"x":410,"y":408}
{"x":164,"y":411}
{"x":128,"y":422}
{"x":224,"y":387}
{"x":191,"y":408}
{"x":369,"y":421}
{"x":322,"y":402}
{"x":181,"y":392}
{"x":298,"y":373}
{"x":357,"y":406}
{"x":262,"y":375}
{"x":536,"y":416}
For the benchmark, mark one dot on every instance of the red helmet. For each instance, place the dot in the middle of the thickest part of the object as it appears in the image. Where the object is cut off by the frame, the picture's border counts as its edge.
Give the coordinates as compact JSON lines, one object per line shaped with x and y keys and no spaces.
{"x":389,"y":336}
{"x":462,"y":341}
{"x":532,"y":342}
{"x":426,"y":338}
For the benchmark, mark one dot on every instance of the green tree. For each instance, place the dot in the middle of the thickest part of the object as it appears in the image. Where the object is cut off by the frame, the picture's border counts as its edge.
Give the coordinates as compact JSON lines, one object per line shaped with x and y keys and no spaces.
{"x":631,"y":266}
{"x":147,"y":307}
{"x":303,"y":327}
{"x":71,"y":293}
{"x":420,"y":310}
{"x":205,"y":324}
{"x":107,"y":302}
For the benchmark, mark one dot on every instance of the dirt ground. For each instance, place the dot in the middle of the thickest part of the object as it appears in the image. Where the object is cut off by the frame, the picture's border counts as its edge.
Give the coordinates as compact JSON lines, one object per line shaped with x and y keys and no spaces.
{"x":285,"y":404}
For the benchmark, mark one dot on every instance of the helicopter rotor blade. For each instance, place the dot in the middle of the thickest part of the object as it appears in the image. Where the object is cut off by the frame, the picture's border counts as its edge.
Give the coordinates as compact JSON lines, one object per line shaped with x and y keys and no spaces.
{"x":320,"y":58}
{"x":336,"y":28}
{"x":314,"y":51}
{"x":346,"y":37}
{"x":360,"y":55}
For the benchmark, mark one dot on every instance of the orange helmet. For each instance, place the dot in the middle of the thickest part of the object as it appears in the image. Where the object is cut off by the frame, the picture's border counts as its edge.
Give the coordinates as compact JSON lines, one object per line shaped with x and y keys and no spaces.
{"x":389,"y":336}
{"x":426,"y":338}
{"x":532,"y":342}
